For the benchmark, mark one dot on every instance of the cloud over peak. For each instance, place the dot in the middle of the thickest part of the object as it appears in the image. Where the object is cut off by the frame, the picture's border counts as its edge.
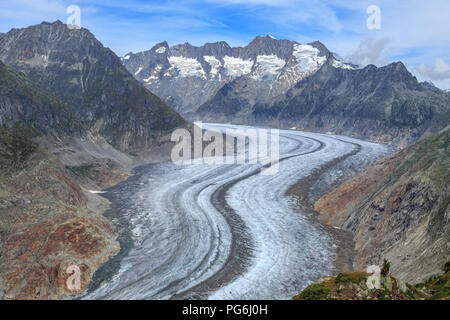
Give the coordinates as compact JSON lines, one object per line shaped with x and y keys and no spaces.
{"x":439,"y":70}
{"x":370,"y":51}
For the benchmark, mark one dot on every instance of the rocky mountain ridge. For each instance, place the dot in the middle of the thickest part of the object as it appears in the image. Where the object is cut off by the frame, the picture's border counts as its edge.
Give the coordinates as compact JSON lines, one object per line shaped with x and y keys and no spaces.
{"x":384,"y":104}
{"x":282,"y":83}
{"x":74,"y":66}
{"x":187,"y":76}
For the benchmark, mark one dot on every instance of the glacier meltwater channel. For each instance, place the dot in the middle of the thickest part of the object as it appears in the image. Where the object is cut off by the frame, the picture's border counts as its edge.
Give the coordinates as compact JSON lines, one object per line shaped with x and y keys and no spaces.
{"x":227,"y":231}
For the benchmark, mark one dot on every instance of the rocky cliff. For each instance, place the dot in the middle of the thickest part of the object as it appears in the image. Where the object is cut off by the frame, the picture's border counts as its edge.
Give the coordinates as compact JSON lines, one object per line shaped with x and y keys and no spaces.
{"x":398,"y":208}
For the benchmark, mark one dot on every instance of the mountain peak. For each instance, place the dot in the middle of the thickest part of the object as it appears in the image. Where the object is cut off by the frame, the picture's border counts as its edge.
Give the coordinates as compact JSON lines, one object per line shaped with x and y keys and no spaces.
{"x":75,"y":66}
{"x":57,"y":22}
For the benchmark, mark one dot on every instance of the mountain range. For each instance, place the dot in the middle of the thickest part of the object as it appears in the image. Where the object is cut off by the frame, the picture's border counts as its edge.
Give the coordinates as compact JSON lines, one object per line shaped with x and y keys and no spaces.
{"x":287,"y":84}
{"x":186,"y":76}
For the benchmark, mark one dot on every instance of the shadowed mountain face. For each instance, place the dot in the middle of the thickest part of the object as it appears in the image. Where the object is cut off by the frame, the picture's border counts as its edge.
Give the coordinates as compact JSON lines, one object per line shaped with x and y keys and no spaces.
{"x":24,"y":104}
{"x":90,"y":78}
{"x":186,"y":76}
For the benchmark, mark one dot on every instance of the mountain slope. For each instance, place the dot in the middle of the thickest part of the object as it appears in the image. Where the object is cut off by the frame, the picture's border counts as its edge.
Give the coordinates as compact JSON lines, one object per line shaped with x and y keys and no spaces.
{"x":90,"y":78}
{"x":47,"y":223}
{"x":23,"y":103}
{"x":186,"y":76}
{"x":383,"y":104}
{"x":398,"y":208}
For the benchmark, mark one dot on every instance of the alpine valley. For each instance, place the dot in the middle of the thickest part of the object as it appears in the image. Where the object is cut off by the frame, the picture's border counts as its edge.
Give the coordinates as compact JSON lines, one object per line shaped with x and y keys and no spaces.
{"x":86,"y":178}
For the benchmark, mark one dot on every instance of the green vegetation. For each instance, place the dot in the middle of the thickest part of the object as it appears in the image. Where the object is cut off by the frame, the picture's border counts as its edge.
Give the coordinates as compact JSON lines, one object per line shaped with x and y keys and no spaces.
{"x":438,"y":286}
{"x":385,"y":268}
{"x":353,"y":286}
{"x":354,"y":277}
{"x":15,"y":147}
{"x":316,"y":291}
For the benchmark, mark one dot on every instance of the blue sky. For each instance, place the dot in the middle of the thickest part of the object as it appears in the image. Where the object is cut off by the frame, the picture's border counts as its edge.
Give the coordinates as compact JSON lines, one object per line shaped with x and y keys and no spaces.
{"x":416,"y":32}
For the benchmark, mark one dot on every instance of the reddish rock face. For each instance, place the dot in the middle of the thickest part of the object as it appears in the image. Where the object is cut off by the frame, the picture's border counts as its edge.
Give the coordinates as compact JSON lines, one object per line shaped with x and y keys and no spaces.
{"x":41,"y":254}
{"x":50,"y":229}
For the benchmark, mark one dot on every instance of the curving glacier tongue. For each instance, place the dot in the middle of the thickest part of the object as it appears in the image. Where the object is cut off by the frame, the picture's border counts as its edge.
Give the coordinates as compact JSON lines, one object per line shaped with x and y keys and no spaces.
{"x":227,"y":231}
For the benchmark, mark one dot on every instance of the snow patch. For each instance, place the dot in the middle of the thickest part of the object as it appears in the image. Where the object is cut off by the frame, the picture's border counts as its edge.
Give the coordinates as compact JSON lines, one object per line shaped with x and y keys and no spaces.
{"x":236,"y":67}
{"x":187,"y":67}
{"x":137,"y":72}
{"x":126,"y":57}
{"x":160,"y":50}
{"x":342,"y":65}
{"x":308,"y":57}
{"x":268,"y":66}
{"x":214,"y":63}
{"x":95,"y":191}
{"x":154,"y":74}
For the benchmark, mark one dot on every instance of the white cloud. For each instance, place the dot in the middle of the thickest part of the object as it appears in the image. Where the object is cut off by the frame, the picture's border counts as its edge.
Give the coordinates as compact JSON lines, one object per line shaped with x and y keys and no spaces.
{"x":370,"y":51}
{"x":439,"y":70}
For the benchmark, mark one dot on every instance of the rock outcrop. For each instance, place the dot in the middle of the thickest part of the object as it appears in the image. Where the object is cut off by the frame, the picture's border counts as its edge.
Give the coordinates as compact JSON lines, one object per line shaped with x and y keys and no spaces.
{"x":398,"y":208}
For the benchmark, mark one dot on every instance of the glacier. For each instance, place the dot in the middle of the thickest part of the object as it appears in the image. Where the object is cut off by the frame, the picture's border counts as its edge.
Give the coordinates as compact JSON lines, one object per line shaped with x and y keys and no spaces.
{"x":218,"y":231}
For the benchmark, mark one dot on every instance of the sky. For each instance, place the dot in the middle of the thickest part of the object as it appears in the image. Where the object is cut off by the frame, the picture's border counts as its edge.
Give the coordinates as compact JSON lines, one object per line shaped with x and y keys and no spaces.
{"x":416,"y":32}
